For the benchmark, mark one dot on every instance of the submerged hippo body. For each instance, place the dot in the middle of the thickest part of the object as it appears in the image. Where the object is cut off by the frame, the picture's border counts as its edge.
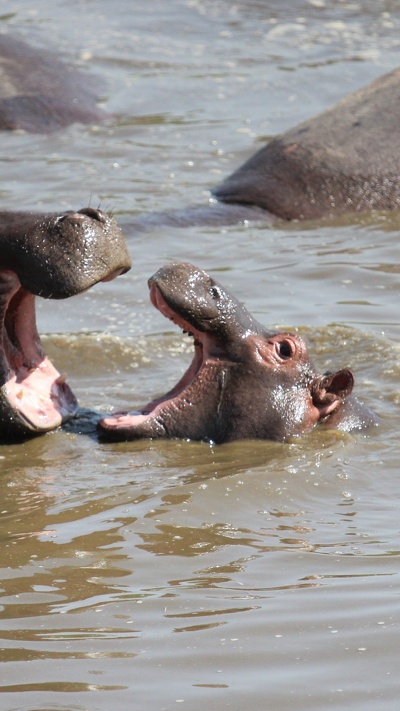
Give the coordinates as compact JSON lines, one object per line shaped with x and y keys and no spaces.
{"x":53,"y":255}
{"x":244,"y":382}
{"x":347,"y":159}
{"x":40,"y":94}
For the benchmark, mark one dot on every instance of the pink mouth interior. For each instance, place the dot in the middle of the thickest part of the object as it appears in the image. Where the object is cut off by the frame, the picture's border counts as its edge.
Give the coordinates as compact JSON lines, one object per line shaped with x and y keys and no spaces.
{"x":40,"y":396}
{"x":131,"y":419}
{"x":34,"y":389}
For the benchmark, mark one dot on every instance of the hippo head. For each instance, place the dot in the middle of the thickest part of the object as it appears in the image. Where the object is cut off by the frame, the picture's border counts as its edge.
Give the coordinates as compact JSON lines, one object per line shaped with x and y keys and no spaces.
{"x":244,"y":382}
{"x":54,"y":256}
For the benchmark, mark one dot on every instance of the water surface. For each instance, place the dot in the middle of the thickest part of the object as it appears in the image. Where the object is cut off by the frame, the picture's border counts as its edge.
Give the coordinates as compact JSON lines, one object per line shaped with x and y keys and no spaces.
{"x":163,"y":575}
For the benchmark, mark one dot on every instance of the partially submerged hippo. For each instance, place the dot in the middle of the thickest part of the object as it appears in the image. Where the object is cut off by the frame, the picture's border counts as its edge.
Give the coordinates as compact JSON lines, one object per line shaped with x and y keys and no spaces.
{"x":347,"y":159}
{"x":54,"y":255}
{"x":39,"y":93}
{"x":244,"y":382}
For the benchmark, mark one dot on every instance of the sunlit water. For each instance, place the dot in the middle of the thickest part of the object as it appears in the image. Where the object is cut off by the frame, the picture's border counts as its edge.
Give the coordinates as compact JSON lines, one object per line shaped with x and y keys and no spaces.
{"x":163,"y":575}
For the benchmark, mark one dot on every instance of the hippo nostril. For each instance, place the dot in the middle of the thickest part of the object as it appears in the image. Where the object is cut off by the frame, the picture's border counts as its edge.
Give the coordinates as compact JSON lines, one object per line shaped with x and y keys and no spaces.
{"x":93,"y":213}
{"x":64,"y":216}
{"x":216,"y":292}
{"x":76,"y":218}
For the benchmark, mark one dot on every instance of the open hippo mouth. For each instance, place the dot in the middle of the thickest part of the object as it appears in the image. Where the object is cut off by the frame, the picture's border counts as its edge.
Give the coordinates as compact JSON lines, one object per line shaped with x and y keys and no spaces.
{"x":156,"y":419}
{"x":54,"y":256}
{"x":244,"y":382}
{"x":34,"y":394}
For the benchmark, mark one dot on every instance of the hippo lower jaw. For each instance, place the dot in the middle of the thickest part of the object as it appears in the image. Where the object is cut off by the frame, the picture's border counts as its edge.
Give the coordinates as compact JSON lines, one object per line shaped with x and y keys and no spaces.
{"x":34,"y":396}
{"x":36,"y":399}
{"x":167,"y":416}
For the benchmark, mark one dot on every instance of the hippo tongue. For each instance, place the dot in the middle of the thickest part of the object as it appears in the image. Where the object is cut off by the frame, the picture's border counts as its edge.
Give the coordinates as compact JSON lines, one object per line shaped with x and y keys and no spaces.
{"x":33,"y":394}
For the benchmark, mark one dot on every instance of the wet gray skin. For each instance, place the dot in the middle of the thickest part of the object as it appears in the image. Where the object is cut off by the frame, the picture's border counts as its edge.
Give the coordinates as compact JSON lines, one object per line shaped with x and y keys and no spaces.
{"x":51,"y":255}
{"x":244,"y":382}
{"x":39,"y":93}
{"x":346,"y":159}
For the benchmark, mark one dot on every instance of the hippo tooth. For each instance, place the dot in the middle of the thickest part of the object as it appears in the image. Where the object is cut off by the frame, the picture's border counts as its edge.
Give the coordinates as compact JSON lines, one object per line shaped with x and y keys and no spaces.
{"x":61,"y":379}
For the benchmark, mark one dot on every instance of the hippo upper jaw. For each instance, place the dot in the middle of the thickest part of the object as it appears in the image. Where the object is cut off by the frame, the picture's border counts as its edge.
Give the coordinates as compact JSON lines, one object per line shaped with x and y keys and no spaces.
{"x":59,"y":255}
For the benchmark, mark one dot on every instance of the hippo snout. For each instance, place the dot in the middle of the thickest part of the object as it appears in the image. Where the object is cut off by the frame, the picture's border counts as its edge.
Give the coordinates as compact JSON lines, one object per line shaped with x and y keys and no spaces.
{"x":56,"y":255}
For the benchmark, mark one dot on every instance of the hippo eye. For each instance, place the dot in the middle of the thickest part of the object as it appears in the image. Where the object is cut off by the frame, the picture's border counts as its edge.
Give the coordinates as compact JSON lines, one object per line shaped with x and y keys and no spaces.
{"x":284,"y":349}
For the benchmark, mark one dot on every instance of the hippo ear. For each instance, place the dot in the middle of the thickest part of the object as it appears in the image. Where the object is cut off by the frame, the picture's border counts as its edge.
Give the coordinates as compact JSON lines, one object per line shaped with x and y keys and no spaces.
{"x":328,"y":391}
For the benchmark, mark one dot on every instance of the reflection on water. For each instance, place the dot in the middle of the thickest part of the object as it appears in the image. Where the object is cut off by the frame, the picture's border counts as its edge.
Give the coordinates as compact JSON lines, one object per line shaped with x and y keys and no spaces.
{"x":277,"y":564}
{"x":110,"y":550}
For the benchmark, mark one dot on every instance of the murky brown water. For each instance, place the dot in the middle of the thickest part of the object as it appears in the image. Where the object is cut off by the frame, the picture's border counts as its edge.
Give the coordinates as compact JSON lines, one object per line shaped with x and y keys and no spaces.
{"x":163,"y":575}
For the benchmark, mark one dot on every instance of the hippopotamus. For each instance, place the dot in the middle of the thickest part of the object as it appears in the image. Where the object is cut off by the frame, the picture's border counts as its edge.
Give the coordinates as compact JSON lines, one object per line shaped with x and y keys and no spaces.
{"x":346,"y":159}
{"x":53,"y":255}
{"x":244,"y":382}
{"x":39,"y":93}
